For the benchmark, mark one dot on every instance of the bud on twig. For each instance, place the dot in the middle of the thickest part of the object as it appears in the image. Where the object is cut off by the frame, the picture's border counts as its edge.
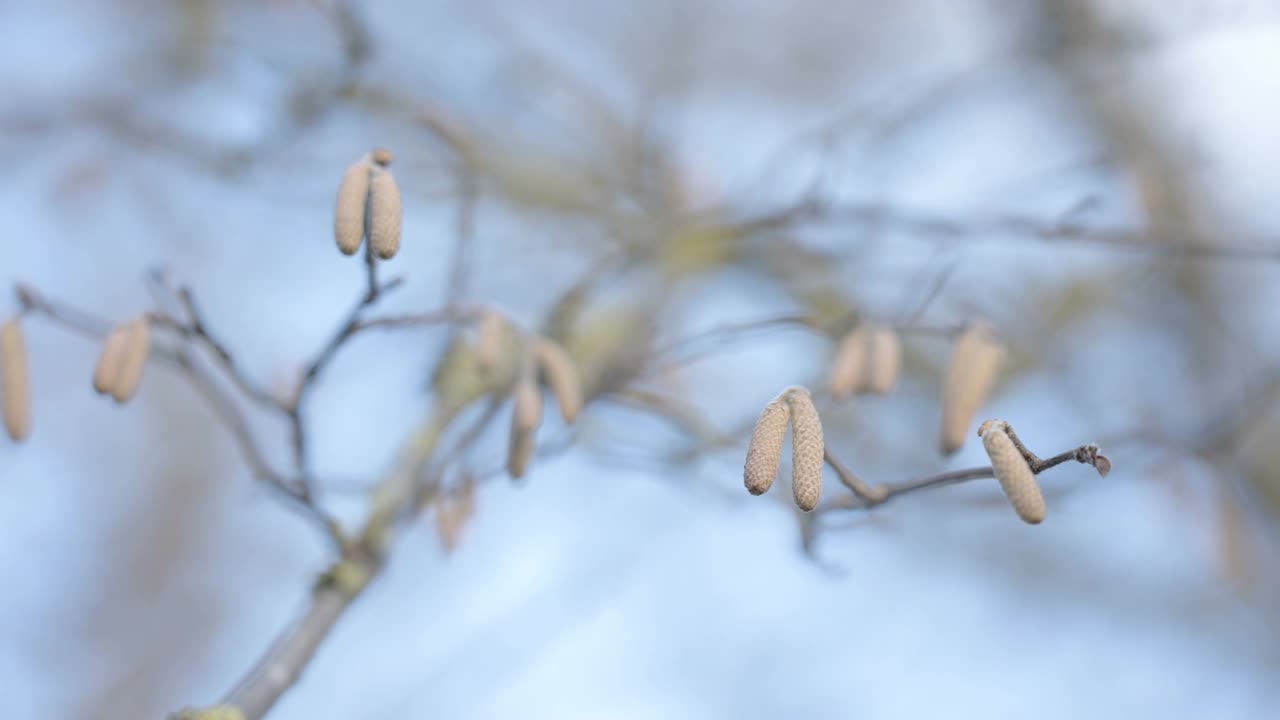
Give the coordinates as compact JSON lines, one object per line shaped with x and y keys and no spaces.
{"x":1013,"y":471}
{"x":975,"y":359}
{"x":16,"y":382}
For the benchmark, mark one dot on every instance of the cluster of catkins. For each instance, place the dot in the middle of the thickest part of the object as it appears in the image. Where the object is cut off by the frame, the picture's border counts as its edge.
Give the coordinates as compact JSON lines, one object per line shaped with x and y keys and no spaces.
{"x":868,"y":359}
{"x":369,"y":207}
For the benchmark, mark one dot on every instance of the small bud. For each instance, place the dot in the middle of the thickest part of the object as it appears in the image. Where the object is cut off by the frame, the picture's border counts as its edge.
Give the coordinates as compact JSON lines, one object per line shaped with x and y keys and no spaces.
{"x":975,"y":360}
{"x":385,"y":212}
{"x":349,"y":212}
{"x":16,"y":382}
{"x":1012,"y":471}
{"x":562,"y":376}
{"x":807,"y":449}
{"x":886,"y":360}
{"x":765,"y":451}
{"x":850,"y":363}
{"x":382,"y":156}
{"x":111,"y":360}
{"x":133,"y":361}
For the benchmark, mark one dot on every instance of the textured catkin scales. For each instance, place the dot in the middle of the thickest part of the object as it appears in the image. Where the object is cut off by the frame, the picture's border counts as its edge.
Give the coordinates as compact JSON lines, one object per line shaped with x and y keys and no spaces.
{"x":385,"y":211}
{"x":886,"y":360}
{"x":806,"y":450}
{"x":850,"y":363}
{"x":15,"y":385}
{"x":111,"y":360}
{"x":1012,"y":471}
{"x":562,"y":376}
{"x":133,"y":360}
{"x":975,"y":360}
{"x":349,"y":212}
{"x":765,"y":451}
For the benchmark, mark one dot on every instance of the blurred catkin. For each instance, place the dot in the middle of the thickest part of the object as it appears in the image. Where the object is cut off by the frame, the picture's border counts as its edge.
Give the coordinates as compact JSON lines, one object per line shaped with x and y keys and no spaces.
{"x":385,"y":212}
{"x":886,"y":360}
{"x":133,"y":361}
{"x":975,"y":360}
{"x":526,"y":416}
{"x":16,"y":381}
{"x":561,"y":376}
{"x":111,"y":360}
{"x":489,"y":337}
{"x":806,"y":449}
{"x":765,"y":451}
{"x":1012,"y":471}
{"x":849,"y":364}
{"x":349,"y":212}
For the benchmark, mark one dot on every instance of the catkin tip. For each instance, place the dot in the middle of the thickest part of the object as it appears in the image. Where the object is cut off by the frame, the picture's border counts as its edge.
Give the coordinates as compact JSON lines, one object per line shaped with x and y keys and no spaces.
{"x":385,"y":211}
{"x":15,"y":382}
{"x":807,"y":450}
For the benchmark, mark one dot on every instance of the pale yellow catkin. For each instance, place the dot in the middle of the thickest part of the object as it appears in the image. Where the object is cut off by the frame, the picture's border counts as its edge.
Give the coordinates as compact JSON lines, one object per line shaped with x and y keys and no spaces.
{"x":111,"y":360}
{"x":765,"y":451}
{"x":520,"y":451}
{"x":385,"y":212}
{"x":886,"y":360}
{"x":134,"y":360}
{"x":975,"y":360}
{"x":562,"y":377}
{"x":849,"y":365}
{"x":1012,"y":471}
{"x":16,"y":383}
{"x":349,"y":211}
{"x":489,"y":337}
{"x":807,"y":449}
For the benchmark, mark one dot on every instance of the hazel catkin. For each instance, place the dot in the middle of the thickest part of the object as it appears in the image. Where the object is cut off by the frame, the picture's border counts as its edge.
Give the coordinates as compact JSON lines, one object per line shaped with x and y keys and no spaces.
{"x":110,"y":361}
{"x":385,"y":212}
{"x":975,"y":360}
{"x":349,"y":211}
{"x":886,"y":360}
{"x":807,"y":449}
{"x":850,"y":363}
{"x":1012,"y":471}
{"x":133,"y":361}
{"x":562,"y":377}
{"x":526,"y":416}
{"x":15,"y":383}
{"x":489,"y":337}
{"x":764,"y":453}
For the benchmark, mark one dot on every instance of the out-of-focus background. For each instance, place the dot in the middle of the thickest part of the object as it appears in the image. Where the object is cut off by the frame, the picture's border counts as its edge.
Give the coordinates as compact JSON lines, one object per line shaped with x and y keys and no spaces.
{"x":1099,"y":180}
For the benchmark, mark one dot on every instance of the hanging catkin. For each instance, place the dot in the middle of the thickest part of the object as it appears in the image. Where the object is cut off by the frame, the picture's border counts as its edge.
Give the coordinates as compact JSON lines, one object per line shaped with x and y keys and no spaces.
{"x":133,"y":360}
{"x":489,"y":337}
{"x":1012,"y":471}
{"x":349,"y":212}
{"x":850,"y":363}
{"x":385,"y":211}
{"x":561,"y":376}
{"x":975,"y":360}
{"x":16,"y":384}
{"x":526,"y":416}
{"x":886,"y":360}
{"x":806,"y":449}
{"x":111,"y":360}
{"x":765,"y":451}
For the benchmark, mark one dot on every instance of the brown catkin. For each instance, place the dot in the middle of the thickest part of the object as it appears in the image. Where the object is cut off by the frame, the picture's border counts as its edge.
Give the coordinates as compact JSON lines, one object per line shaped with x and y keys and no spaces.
{"x":1012,"y":471}
{"x":807,"y":449}
{"x":16,"y":383}
{"x":561,"y":376}
{"x":110,"y":361}
{"x":384,"y":213}
{"x":975,"y":360}
{"x":886,"y":360}
{"x":349,"y":212}
{"x":765,"y":451}
{"x":526,"y":416}
{"x":133,"y":361}
{"x":850,"y":363}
